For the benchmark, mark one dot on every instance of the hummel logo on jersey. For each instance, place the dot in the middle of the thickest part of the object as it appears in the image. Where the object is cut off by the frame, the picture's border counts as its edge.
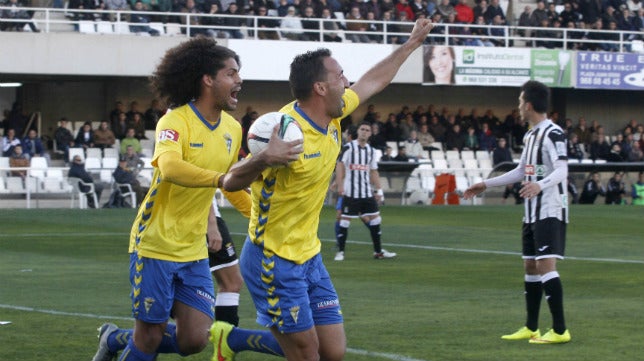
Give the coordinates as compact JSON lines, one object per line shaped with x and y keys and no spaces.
{"x":541,"y":249}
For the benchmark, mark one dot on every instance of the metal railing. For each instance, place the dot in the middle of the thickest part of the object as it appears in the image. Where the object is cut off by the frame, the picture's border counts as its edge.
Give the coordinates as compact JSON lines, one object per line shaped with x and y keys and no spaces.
{"x":451,"y":34}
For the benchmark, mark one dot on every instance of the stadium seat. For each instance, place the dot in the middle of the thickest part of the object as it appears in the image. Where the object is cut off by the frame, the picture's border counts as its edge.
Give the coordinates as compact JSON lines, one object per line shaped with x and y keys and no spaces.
{"x":86,"y":27}
{"x":452,"y":154}
{"x":93,"y":164}
{"x":3,"y":186}
{"x":74,"y":152}
{"x":55,"y":185}
{"x":54,"y":173}
{"x":16,"y":185}
{"x":104,"y":27}
{"x":4,"y":166}
{"x":78,"y":193}
{"x":122,"y":28}
{"x":173,"y":29}
{"x":470,"y":164}
{"x":158,"y":27}
{"x":440,"y":165}
{"x":482,"y":154}
{"x":111,"y":152}
{"x":467,"y":154}
{"x":127,"y":191}
{"x":110,"y":163}
{"x":37,"y":167}
{"x":437,"y":154}
{"x":437,"y":145}
{"x":94,"y":153}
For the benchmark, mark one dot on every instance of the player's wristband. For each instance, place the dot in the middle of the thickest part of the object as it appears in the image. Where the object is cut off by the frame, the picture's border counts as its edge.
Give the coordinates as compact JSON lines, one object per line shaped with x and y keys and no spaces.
{"x":379,"y":192}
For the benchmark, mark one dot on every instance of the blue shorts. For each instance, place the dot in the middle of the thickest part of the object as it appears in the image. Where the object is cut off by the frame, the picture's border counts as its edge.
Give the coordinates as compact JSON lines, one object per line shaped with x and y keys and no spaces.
{"x":292,"y":297}
{"x":157,"y":284}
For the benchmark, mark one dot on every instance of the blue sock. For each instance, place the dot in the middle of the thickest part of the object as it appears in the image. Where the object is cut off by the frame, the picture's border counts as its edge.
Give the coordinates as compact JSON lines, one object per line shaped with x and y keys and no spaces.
{"x":131,"y":353}
{"x":169,"y":340}
{"x":118,"y":340}
{"x":261,"y":341}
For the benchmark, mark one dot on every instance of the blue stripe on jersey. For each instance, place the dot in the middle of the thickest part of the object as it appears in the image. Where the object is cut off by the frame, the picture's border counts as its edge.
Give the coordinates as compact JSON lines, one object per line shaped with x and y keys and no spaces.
{"x":306,"y":117}
{"x":203,"y":120}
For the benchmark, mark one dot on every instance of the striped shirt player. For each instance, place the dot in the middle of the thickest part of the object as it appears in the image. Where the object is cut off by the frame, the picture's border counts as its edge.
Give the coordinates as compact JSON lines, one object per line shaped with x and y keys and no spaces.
{"x":543,"y":170}
{"x":356,"y":171}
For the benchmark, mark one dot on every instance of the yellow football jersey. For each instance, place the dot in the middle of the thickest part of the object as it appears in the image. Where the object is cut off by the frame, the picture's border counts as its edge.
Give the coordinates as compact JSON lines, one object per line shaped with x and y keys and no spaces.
{"x":287,"y":201}
{"x":172,"y":220}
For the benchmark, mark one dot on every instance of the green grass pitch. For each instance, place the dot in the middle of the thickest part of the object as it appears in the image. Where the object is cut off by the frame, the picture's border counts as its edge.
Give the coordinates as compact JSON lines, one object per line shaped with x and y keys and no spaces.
{"x":455,"y":287}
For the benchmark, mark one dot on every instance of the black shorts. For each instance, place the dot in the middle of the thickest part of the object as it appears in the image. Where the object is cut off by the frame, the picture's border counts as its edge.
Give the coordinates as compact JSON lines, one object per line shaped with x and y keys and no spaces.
{"x":356,"y":207}
{"x":227,"y":255}
{"x":544,"y":239}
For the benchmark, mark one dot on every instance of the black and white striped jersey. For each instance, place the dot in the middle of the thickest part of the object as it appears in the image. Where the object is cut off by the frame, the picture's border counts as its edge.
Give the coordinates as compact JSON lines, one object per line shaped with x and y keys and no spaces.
{"x":543,"y":146}
{"x":358,"y":162}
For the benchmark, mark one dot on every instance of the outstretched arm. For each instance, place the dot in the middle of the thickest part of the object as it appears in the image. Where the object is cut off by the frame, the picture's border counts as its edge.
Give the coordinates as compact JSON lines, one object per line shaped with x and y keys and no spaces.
{"x":381,"y":74}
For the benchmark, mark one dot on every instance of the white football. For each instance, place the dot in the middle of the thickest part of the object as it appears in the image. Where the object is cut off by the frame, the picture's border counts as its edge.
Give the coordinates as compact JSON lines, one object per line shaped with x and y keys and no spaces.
{"x":260,"y":131}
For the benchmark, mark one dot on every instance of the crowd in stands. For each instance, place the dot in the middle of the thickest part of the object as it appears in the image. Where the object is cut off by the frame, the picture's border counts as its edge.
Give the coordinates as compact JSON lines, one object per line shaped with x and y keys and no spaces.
{"x":301,"y":19}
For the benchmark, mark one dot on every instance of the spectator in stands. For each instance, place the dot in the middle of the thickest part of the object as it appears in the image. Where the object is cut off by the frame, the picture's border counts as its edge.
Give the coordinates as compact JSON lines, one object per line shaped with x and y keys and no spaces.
{"x":402,"y":155}
{"x":464,"y":13}
{"x":599,"y":147}
{"x":116,"y":5}
{"x":356,"y":26}
{"x":615,"y":189}
{"x":124,"y":175}
{"x":77,"y":170}
{"x":590,"y":10}
{"x":574,"y":149}
{"x":291,"y":26}
{"x":85,"y":136}
{"x":501,"y":153}
{"x":373,"y":28}
{"x":190,"y":7}
{"x":9,"y":143}
{"x":103,"y":136}
{"x":134,"y":109}
{"x":402,"y":6}
{"x":64,"y":138}
{"x":615,"y":153}
{"x":414,"y":148}
{"x":377,"y":139}
{"x":471,"y":139}
{"x":487,"y":141}
{"x":119,"y":108}
{"x":437,"y":129}
{"x":15,"y":13}
{"x":611,"y":38}
{"x":133,"y":160}
{"x":153,"y":114}
{"x":539,"y":14}
{"x":331,"y":27}
{"x":608,"y":16}
{"x":393,"y":133}
{"x":269,"y":24}
{"x":18,"y":159}
{"x":582,"y":131}
{"x":144,"y":19}
{"x":480,"y":9}
{"x":310,"y":25}
{"x":33,"y":146}
{"x":234,"y":22}
{"x":637,"y":190}
{"x":407,"y":125}
{"x":454,"y":138}
{"x":120,"y":126}
{"x":499,"y":31}
{"x":525,"y":20}
{"x":386,"y":157}
{"x":282,"y":8}
{"x":138,"y":124}
{"x":494,"y":10}
{"x":569,"y":15}
{"x":445,"y":8}
{"x":636,"y":154}
{"x":215,"y":22}
{"x":85,"y":5}
{"x":130,"y":139}
{"x":439,"y":62}
{"x":481,"y":32}
{"x":592,"y":189}
{"x":425,"y":138}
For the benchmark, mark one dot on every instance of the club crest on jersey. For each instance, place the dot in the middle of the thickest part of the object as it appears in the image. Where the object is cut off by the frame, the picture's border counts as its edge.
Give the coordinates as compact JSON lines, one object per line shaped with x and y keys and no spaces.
{"x":147,"y":303}
{"x":168,"y":134}
{"x":229,"y":142}
{"x":295,"y":312}
{"x":541,"y":170}
{"x":334,"y":134}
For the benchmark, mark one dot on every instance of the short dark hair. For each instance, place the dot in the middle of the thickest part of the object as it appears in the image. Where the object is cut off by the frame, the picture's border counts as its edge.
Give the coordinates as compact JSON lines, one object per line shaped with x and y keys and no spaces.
{"x":537,"y":94}
{"x":307,"y":69}
{"x":177,"y":79}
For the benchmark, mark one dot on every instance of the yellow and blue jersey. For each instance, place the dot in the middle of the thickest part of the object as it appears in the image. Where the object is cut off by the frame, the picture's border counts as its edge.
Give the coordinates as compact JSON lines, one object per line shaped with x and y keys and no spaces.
{"x":287,"y":201}
{"x":172,"y":220}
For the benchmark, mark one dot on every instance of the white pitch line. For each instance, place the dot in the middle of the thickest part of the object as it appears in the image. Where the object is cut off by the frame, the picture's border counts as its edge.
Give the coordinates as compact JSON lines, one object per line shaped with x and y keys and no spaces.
{"x":414,"y":246}
{"x":383,"y":355}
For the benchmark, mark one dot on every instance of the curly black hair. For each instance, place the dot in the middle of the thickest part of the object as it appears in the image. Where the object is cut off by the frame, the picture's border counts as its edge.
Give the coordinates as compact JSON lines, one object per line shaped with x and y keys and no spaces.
{"x":177,"y":79}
